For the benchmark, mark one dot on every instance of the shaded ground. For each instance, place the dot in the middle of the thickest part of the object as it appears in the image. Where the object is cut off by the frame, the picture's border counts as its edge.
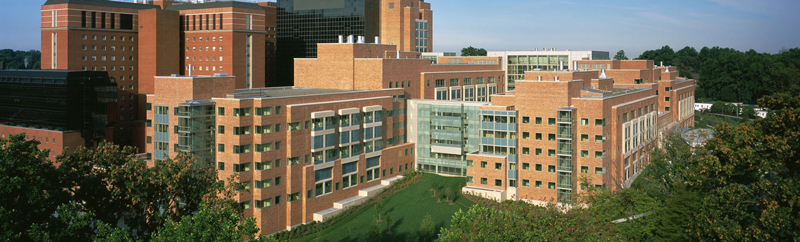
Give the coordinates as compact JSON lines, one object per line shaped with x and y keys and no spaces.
{"x":709,"y":120}
{"x":407,"y":208}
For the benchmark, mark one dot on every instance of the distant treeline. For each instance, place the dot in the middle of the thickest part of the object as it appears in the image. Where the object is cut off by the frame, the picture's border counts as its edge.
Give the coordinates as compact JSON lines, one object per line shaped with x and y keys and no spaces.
{"x":15,"y":59}
{"x":730,"y":75}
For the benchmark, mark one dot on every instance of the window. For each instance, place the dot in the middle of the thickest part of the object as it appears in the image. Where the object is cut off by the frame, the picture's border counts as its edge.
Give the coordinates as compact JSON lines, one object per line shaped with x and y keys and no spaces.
{"x":221,"y":166}
{"x":469,"y":179}
{"x":526,"y":183}
{"x":484,"y":181}
{"x":221,"y":129}
{"x":526,"y":135}
{"x":666,"y":109}
{"x":584,"y":121}
{"x":551,"y":185}
{"x":526,"y":166}
{"x":551,"y":168}
{"x":538,"y":120}
{"x":584,"y":170}
{"x":241,"y":130}
{"x":538,"y":151}
{"x":526,"y":120}
{"x":538,"y":184}
{"x":498,"y":166}
{"x":484,"y":164}
{"x":551,"y":137}
{"x":600,"y":122}
{"x":538,"y":136}
{"x":454,"y":82}
{"x":293,"y":197}
{"x":241,"y":167}
{"x":551,"y":121}
{"x":599,"y":138}
{"x":221,"y":111}
{"x":526,"y":151}
{"x":584,"y":153}
{"x":598,"y":171}
{"x":241,"y":112}
{"x":242,"y":149}
{"x":221,"y":148}
{"x":584,"y":137}
{"x":498,"y":182}
{"x":599,"y":154}
{"x":538,"y":167}
{"x":551,"y":153}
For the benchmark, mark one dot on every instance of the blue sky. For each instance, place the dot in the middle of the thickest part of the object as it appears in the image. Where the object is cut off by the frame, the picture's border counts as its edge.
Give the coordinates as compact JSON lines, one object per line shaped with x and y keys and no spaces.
{"x":610,"y":25}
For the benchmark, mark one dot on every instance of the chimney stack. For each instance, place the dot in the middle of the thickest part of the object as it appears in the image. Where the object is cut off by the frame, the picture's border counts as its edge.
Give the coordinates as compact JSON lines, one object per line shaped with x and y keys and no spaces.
{"x":377,"y":40}
{"x":560,"y":65}
{"x":190,"y":69}
{"x":341,"y":39}
{"x":350,"y":39}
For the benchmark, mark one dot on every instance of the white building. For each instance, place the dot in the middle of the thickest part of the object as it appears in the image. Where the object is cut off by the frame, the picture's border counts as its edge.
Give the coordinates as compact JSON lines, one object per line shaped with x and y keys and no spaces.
{"x":516,"y":63}
{"x":702,"y":106}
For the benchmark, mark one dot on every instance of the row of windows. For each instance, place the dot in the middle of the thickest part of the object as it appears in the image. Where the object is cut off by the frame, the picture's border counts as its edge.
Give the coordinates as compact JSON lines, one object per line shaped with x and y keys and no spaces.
{"x":29,"y":137}
{"x":113,"y":38}
{"x":537,"y":167}
{"x":246,"y":112}
{"x":113,"y":48}
{"x":103,"y":58}
{"x":525,"y":183}
{"x":207,"y":58}
{"x":467,"y":81}
{"x":207,"y":39}
{"x":113,"y":68}
{"x":552,"y":137}
{"x":552,"y":121}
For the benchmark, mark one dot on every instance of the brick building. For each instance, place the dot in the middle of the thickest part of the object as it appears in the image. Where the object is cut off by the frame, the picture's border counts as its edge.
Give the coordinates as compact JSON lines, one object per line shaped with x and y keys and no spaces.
{"x":597,"y":123}
{"x":302,"y":24}
{"x":134,"y":42}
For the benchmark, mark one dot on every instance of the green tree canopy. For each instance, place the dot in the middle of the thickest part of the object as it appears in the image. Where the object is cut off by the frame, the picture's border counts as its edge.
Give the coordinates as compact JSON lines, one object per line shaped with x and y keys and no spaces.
{"x":620,"y":55}
{"x":472,"y":51}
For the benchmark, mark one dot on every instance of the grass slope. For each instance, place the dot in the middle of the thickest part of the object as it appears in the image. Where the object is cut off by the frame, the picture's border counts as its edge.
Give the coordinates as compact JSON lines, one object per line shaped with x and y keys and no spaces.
{"x":709,"y":120}
{"x":407,"y":208}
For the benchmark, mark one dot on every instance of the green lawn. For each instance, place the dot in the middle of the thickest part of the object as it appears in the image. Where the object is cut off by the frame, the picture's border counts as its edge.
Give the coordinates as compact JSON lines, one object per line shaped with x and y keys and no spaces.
{"x":708,"y":120}
{"x":407,"y":208}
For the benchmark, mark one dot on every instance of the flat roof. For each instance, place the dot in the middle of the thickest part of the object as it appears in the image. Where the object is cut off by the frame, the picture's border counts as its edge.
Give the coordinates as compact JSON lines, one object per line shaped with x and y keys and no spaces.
{"x":279,"y":92}
{"x":105,"y":3}
{"x":227,"y":4}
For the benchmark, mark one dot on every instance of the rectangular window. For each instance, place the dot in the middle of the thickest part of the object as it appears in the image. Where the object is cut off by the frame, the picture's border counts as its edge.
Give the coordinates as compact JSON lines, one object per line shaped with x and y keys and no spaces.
{"x":600,"y":122}
{"x":551,"y":168}
{"x":484,"y":181}
{"x":526,"y":183}
{"x":538,"y":120}
{"x":241,"y":167}
{"x":498,"y":182}
{"x":538,"y":151}
{"x":551,"y":121}
{"x":584,"y":170}
{"x":484,"y":164}
{"x":498,"y":166}
{"x":221,"y":111}
{"x":598,"y":171}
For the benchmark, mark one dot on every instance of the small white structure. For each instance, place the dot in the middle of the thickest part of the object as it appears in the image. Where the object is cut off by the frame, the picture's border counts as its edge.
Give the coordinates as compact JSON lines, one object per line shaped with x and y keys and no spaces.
{"x":702,"y":106}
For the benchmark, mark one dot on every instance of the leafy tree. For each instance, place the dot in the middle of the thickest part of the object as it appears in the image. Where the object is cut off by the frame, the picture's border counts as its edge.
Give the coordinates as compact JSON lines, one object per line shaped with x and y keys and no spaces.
{"x":719,"y":107}
{"x":115,"y":186}
{"x":29,"y":187}
{"x":209,"y":224}
{"x":472,"y":51}
{"x":378,"y":210}
{"x":520,"y":221}
{"x":665,"y":54}
{"x":11,"y":59}
{"x":620,"y":55}
{"x":427,"y":228}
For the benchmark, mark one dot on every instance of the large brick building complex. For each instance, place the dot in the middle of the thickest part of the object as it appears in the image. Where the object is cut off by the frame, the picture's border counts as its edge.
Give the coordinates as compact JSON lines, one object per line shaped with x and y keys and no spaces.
{"x":365,"y":107}
{"x":306,"y":152}
{"x":596,"y":123}
{"x":134,"y":42}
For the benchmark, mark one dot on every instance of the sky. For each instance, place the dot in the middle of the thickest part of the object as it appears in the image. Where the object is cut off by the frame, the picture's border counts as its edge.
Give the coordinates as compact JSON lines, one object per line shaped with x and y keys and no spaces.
{"x":607,"y":25}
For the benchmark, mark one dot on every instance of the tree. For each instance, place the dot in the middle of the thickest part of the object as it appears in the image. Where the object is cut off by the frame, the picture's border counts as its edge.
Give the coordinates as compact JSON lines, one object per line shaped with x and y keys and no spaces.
{"x":472,"y":51}
{"x":114,"y":185}
{"x":520,"y":221}
{"x":210,"y":223}
{"x":427,"y":228}
{"x":29,"y":187}
{"x":378,"y":210}
{"x":748,"y":112}
{"x":718,"y":107}
{"x":620,"y":55}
